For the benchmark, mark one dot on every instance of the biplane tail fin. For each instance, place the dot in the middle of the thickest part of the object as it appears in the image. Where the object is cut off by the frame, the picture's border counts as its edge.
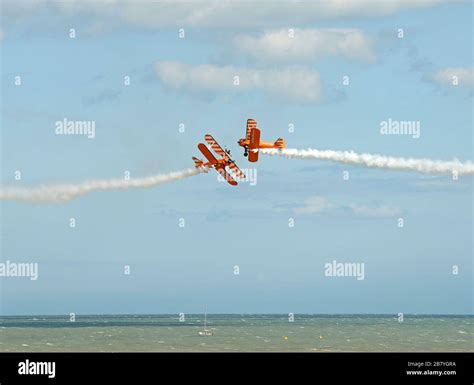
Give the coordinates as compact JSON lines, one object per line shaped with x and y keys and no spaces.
{"x":198,"y":162}
{"x":280,"y":143}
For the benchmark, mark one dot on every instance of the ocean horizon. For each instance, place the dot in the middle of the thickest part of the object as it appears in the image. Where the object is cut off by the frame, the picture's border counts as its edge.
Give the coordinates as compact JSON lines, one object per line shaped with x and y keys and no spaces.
{"x":237,"y":332}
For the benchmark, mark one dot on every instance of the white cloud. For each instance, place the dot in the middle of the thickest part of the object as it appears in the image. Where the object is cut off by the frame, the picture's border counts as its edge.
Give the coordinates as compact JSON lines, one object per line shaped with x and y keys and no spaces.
{"x":295,"y":84}
{"x":451,"y":76}
{"x":377,"y":211}
{"x":314,"y":205}
{"x":319,"y":204}
{"x":214,"y":13}
{"x":307,"y":44}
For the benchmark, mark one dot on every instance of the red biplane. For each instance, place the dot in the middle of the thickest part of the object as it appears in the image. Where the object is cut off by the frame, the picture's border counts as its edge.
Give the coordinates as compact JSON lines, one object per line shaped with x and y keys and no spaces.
{"x":252,"y":143}
{"x":219,"y":163}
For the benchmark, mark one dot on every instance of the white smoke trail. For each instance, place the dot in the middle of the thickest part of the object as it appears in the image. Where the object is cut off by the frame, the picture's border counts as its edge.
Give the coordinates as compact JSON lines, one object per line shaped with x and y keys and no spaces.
{"x":379,"y":161}
{"x":66,"y":192}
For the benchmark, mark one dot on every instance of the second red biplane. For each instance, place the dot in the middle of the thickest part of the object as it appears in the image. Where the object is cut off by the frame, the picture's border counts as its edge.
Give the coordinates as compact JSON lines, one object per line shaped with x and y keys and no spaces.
{"x":219,"y":163}
{"x":252,"y":143}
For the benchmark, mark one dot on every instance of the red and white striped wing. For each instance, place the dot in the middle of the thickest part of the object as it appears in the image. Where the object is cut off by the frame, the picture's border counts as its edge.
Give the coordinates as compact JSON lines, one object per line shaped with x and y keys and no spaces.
{"x":215,"y":146}
{"x":237,"y":171}
{"x":226,"y":176}
{"x":251,"y":124}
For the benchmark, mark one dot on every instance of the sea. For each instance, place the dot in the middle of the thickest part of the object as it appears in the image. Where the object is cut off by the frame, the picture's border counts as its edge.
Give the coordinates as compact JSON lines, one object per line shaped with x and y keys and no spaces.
{"x":237,"y":333}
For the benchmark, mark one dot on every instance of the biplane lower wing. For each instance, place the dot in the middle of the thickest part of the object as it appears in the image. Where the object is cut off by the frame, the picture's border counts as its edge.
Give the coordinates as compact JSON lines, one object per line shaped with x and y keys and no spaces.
{"x":254,"y":143}
{"x":226,"y":176}
{"x":205,"y":151}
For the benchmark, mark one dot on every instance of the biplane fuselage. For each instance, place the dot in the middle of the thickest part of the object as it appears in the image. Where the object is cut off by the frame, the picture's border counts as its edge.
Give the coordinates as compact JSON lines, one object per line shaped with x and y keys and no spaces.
{"x":252,"y":143}
{"x":262,"y":144}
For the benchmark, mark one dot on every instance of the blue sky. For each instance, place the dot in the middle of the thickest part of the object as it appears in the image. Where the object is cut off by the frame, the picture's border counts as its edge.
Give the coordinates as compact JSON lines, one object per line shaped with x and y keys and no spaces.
{"x":191,"y":269}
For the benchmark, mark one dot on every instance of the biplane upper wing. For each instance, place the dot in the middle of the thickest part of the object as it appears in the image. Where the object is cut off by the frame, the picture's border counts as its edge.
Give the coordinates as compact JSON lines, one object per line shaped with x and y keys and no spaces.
{"x":251,"y":124}
{"x":237,"y":171}
{"x":226,"y":176}
{"x":215,"y":146}
{"x":254,"y":143}
{"x":205,"y":151}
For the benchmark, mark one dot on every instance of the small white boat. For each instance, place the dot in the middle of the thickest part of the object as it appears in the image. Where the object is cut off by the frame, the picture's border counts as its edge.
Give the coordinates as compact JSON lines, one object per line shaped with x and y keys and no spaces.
{"x":206,"y":331}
